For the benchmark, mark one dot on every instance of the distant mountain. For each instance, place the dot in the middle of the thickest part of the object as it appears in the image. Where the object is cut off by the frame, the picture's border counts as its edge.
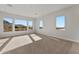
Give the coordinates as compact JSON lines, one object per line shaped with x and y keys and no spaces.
{"x":19,"y":25}
{"x":7,"y":23}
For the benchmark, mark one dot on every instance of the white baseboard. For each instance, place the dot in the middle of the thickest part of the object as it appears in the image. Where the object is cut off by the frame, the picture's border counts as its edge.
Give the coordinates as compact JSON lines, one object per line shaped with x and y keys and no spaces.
{"x":64,"y":38}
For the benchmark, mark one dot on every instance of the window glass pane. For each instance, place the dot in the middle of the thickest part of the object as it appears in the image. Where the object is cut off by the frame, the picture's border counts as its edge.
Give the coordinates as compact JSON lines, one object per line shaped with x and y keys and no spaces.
{"x":41,"y":24}
{"x":30,"y":24}
{"x":20,"y":25}
{"x":7,"y":22}
{"x":60,"y":22}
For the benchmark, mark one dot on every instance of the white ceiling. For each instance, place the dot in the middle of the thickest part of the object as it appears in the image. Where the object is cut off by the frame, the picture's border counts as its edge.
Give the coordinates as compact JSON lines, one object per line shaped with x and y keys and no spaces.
{"x":32,"y":10}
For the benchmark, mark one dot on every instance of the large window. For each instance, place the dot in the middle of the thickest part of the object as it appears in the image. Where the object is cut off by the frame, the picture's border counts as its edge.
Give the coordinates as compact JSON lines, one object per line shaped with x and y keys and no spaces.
{"x":7,"y":22}
{"x":60,"y":22}
{"x":30,"y":24}
{"x":41,"y":24}
{"x":20,"y":25}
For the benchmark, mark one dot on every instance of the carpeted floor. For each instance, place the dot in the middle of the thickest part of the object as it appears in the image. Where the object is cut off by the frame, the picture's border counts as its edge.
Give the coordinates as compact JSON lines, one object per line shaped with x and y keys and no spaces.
{"x":38,"y":44}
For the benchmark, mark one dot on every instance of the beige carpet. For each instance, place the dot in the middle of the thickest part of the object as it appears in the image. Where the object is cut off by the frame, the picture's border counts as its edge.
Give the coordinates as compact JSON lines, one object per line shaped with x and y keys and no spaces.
{"x":2,"y":41}
{"x":17,"y":42}
{"x":39,"y":44}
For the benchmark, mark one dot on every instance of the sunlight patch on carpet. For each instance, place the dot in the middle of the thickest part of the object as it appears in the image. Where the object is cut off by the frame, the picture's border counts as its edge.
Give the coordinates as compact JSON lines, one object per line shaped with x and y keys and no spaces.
{"x":17,"y":42}
{"x":2,"y":41}
{"x":35,"y":37}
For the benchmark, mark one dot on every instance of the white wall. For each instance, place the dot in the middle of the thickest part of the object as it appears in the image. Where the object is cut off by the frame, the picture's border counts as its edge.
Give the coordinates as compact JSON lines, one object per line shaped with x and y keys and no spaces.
{"x":5,"y":34}
{"x":72,"y":24}
{"x":71,"y":30}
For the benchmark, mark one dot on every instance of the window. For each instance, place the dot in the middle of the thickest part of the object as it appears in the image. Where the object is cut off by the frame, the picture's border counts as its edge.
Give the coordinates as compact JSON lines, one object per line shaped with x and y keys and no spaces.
{"x":20,"y":25}
{"x":30,"y":24}
{"x":60,"y":22}
{"x":41,"y":24}
{"x":7,"y":22}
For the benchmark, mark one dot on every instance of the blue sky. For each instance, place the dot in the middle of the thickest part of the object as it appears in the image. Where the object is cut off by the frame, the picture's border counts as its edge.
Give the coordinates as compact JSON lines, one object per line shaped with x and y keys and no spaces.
{"x":30,"y":23}
{"x":23,"y":22}
{"x":8,"y":19}
{"x":60,"y":21}
{"x":17,"y":21}
{"x":41,"y":23}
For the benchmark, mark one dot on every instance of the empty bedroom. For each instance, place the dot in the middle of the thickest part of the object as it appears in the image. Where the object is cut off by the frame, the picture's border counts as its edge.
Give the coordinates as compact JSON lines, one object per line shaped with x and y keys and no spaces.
{"x":39,"y":28}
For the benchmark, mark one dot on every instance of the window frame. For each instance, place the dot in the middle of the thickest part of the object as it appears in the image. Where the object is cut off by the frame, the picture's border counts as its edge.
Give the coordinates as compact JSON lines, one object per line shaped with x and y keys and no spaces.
{"x":28,"y":24}
{"x":41,"y":27}
{"x":60,"y":28}
{"x":26,"y":21}
{"x":4,"y":24}
{"x":13,"y":24}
